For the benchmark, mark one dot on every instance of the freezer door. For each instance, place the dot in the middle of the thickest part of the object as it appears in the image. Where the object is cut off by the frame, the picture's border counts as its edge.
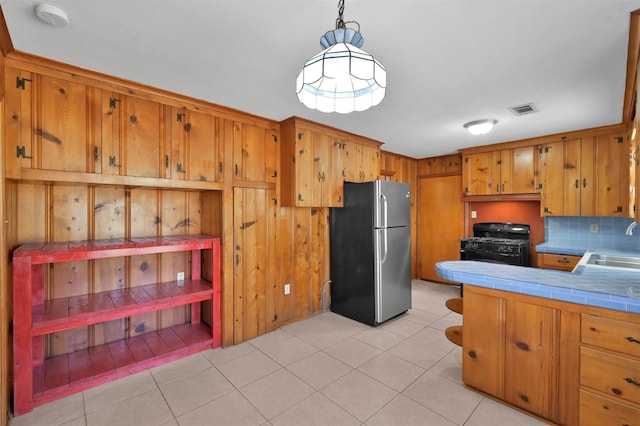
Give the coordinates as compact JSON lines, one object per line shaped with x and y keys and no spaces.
{"x":392,"y":204}
{"x":392,"y":272}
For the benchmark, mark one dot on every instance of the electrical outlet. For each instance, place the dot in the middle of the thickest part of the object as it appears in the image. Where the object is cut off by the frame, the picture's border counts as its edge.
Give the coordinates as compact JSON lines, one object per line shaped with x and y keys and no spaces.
{"x":474,"y":214}
{"x":180,"y":276}
{"x":287,"y":289}
{"x":595,"y":228}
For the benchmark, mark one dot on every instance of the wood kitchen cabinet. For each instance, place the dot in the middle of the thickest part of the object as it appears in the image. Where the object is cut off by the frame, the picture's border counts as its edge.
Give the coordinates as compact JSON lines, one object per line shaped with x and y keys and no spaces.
{"x":47,"y":123}
{"x":317,"y":160}
{"x":560,"y":262}
{"x":585,"y":177}
{"x":195,"y":149}
{"x":476,"y":177}
{"x":133,"y":137}
{"x":505,"y":171}
{"x":531,"y":357}
{"x":483,"y":342}
{"x":609,"y":371}
{"x":510,"y":351}
{"x":255,"y":153}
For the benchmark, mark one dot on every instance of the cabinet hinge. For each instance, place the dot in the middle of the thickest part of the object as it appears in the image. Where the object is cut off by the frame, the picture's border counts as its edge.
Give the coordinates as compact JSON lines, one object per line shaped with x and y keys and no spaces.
{"x":180,"y":116}
{"x":21,"y":83}
{"x":275,"y":138}
{"x":275,"y":174}
{"x":620,"y":139}
{"x":275,"y":201}
{"x":618,"y":210}
{"x":300,"y":135}
{"x":179,"y":168}
{"x":113,"y":103}
{"x":112,"y":162}
{"x":21,"y":152}
{"x":467,"y":159}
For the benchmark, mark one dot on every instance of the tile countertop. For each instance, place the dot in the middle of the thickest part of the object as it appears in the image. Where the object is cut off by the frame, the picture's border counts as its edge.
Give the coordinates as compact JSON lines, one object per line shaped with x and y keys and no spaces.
{"x":586,"y":285}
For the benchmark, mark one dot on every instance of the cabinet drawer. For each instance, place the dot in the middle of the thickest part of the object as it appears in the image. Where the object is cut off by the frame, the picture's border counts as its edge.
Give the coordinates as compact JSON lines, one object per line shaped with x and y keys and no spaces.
{"x":596,"y":411}
{"x":615,"y":335}
{"x":558,"y":261}
{"x":617,"y":376}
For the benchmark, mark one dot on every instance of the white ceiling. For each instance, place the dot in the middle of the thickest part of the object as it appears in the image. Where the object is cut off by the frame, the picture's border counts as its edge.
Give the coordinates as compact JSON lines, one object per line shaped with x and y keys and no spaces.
{"x":447,"y":61}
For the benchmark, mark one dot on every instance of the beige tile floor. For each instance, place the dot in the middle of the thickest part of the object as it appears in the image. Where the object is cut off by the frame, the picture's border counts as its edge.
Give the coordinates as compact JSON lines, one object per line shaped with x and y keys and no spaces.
{"x":326,"y":370}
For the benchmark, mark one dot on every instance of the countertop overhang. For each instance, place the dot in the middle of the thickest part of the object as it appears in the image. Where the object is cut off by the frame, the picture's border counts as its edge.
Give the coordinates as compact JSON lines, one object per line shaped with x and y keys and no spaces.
{"x":590,"y":286}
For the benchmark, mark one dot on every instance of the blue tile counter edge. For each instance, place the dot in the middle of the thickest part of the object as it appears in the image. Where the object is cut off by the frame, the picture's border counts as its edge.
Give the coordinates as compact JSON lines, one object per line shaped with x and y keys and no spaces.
{"x":558,"y":249}
{"x":587,"y":287}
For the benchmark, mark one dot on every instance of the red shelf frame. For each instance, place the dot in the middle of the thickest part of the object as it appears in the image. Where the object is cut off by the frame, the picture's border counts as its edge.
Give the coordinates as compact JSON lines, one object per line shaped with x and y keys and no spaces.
{"x":38,"y":380}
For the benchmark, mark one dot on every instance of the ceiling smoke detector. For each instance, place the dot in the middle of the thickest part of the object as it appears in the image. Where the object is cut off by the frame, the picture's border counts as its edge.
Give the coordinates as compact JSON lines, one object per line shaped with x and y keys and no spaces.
{"x":523,"y":109}
{"x":52,"y":15}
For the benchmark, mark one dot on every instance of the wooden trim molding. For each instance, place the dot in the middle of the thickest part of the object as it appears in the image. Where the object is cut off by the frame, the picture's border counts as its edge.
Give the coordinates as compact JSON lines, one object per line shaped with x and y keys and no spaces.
{"x":632,"y":67}
{"x":6,"y":45}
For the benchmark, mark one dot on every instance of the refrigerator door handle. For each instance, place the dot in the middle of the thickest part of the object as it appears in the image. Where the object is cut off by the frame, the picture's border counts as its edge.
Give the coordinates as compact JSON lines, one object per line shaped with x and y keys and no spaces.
{"x":385,"y":207}
{"x":383,"y":258}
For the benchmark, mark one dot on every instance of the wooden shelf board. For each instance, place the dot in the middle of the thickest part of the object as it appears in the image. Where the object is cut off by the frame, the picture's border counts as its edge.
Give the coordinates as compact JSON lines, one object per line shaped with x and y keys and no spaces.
{"x":77,"y":311}
{"x":77,"y":371}
{"x":100,"y":249}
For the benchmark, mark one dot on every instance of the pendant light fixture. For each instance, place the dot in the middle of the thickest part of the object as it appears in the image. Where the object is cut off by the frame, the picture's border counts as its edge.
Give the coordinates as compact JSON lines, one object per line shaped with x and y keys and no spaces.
{"x":342,"y":78}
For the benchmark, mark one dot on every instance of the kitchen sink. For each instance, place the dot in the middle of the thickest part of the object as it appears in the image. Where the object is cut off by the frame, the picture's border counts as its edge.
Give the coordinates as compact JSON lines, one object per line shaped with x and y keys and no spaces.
{"x":614,"y":261}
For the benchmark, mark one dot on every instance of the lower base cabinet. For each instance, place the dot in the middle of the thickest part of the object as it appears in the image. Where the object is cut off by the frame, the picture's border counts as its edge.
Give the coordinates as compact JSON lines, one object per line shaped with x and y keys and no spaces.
{"x":509,"y":351}
{"x":566,"y":363}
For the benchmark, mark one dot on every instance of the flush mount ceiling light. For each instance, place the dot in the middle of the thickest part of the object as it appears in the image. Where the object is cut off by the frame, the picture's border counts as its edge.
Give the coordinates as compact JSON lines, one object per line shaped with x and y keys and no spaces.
{"x":52,"y":15}
{"x":480,"y":127}
{"x":342,"y":78}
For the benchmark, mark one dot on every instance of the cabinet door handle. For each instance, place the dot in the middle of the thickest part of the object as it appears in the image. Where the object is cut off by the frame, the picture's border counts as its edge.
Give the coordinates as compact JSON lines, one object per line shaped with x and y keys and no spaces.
{"x":220,"y":167}
{"x":633,"y":382}
{"x":584,"y":183}
{"x":166,"y":161}
{"x":577,"y":183}
{"x":96,"y":153}
{"x":525,"y":398}
{"x":632,"y":340}
{"x":473,"y":354}
{"x":236,"y":170}
{"x":522,"y":345}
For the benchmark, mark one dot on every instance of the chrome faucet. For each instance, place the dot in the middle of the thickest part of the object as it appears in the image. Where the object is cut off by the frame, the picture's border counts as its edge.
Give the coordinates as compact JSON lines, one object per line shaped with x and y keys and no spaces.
{"x":629,"y":230}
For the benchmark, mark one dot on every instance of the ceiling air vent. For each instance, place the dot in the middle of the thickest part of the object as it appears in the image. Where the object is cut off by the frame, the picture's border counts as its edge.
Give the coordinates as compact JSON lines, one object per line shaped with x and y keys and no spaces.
{"x":523,"y":109}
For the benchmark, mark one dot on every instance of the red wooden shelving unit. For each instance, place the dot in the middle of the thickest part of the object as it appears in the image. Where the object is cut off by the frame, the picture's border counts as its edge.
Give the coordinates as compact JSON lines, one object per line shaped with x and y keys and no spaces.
{"x":38,"y":380}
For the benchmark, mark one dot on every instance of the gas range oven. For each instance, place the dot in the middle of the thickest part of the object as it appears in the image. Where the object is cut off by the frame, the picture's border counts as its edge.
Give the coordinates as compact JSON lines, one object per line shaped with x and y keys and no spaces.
{"x":497,"y":242}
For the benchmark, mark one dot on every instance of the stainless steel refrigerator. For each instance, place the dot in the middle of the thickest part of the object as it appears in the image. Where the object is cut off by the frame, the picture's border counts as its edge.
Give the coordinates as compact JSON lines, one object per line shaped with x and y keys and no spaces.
{"x":371,"y":252}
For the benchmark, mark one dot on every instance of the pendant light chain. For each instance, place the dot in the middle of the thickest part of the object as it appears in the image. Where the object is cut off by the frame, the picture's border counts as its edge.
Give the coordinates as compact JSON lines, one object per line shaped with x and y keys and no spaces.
{"x":340,"y":21}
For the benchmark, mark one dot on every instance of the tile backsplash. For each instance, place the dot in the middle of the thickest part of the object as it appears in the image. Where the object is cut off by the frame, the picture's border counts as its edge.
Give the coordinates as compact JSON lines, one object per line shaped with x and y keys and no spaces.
{"x":575,"y":231}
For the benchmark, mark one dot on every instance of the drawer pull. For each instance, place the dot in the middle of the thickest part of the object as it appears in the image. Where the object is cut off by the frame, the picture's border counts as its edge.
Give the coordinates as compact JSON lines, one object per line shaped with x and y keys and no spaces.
{"x":523,"y":346}
{"x":563,"y":261}
{"x":472,"y":354}
{"x":525,"y":398}
{"x":632,"y":340}
{"x":616,"y":391}
{"x":630,"y":380}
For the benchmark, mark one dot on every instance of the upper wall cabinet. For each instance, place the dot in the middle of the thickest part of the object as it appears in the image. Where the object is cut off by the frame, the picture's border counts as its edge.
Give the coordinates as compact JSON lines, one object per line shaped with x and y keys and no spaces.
{"x":56,"y":124}
{"x":136,"y":148}
{"x":585,"y":177}
{"x":317,"y":160}
{"x":505,"y":171}
{"x":47,"y":123}
{"x":255,"y":153}
{"x":195,"y":152}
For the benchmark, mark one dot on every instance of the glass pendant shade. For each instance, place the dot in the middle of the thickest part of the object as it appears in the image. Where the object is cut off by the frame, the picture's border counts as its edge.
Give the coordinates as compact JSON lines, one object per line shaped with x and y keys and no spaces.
{"x":342,"y":78}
